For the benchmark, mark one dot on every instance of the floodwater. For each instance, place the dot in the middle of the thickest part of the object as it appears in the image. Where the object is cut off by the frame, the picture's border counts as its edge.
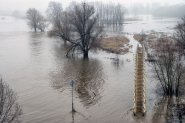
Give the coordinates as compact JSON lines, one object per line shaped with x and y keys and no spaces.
{"x":35,"y":66}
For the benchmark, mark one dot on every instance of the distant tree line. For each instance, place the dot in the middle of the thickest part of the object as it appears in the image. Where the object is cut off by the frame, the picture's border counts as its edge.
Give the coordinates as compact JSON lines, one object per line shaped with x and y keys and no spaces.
{"x":110,"y":13}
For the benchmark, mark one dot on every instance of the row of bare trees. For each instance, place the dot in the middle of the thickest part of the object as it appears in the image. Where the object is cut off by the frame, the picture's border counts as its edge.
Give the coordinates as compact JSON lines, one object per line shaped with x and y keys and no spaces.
{"x":169,"y":66}
{"x":169,"y":69}
{"x":110,"y":13}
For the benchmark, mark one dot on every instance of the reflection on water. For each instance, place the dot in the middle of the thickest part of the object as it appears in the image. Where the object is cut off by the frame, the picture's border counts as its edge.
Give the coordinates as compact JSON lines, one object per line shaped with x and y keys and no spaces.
{"x":88,"y":75}
{"x":36,"y":43}
{"x":89,"y":81}
{"x":160,"y":110}
{"x":114,"y":28}
{"x":117,"y":62}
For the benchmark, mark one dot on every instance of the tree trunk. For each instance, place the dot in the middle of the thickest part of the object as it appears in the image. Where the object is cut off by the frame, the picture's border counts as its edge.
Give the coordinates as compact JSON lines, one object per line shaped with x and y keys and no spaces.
{"x":35,"y":29}
{"x":85,"y":53}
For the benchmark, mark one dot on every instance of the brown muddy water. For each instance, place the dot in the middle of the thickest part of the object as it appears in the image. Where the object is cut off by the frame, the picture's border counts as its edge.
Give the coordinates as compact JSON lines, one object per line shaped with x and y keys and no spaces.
{"x":35,"y":66}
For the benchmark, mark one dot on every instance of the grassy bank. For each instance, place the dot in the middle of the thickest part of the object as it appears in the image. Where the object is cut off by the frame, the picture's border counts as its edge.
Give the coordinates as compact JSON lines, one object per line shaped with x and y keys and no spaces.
{"x":118,"y":45}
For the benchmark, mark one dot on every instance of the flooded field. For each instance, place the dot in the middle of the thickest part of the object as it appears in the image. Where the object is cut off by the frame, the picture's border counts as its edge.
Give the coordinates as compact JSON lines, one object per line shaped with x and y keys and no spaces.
{"x":36,"y":67}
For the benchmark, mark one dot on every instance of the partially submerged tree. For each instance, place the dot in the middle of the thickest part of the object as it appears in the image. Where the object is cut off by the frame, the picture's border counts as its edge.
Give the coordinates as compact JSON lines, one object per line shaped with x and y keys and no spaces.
{"x":9,"y":108}
{"x":36,"y":20}
{"x":169,"y":67}
{"x":84,"y":22}
{"x":83,"y":28}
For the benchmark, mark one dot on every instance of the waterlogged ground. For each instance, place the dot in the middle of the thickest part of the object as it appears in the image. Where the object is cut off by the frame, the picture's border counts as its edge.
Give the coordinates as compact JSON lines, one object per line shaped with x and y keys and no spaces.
{"x":35,"y":66}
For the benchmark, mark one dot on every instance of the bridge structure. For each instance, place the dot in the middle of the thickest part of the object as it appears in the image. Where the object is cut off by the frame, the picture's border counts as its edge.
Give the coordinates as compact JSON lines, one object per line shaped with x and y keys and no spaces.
{"x":139,"y":92}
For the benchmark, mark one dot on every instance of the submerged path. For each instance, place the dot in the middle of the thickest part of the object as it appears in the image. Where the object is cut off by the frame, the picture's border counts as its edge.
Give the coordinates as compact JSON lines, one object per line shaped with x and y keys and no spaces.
{"x":139,"y":93}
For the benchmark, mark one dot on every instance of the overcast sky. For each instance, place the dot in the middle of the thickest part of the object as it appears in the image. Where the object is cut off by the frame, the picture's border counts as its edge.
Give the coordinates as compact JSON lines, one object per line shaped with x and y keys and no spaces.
{"x":23,"y":5}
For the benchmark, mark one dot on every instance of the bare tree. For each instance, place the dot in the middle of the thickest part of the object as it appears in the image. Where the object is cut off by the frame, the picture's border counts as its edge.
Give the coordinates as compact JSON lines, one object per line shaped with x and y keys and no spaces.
{"x":169,"y":67}
{"x":9,"y":108}
{"x":79,"y":27}
{"x":35,"y":20}
{"x":66,"y":27}
{"x":42,"y":24}
{"x":59,"y":20}
{"x":84,"y":23}
{"x":180,"y":33}
{"x":54,"y":13}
